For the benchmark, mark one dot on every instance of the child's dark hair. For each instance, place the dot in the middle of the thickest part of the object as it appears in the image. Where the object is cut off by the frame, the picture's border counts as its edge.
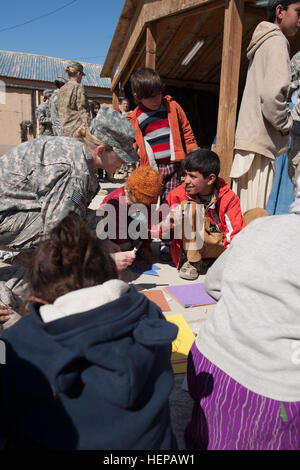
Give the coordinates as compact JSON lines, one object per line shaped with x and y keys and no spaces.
{"x":204,"y":161}
{"x":71,"y":258}
{"x":145,"y":82}
{"x":272,"y":4}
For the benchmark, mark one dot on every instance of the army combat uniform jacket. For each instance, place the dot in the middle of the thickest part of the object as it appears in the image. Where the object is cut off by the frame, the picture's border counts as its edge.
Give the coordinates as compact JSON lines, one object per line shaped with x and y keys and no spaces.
{"x":42,"y":181}
{"x":43,"y":117}
{"x":72,"y":107}
{"x":54,"y":113}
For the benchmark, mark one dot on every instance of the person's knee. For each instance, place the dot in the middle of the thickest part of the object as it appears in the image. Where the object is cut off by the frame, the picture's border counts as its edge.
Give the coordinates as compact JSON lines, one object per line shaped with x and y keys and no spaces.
{"x":253,"y":214}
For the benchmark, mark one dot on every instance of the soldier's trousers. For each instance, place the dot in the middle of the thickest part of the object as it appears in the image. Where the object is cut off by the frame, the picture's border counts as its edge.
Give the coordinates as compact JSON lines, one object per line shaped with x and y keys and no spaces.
{"x":14,"y":287}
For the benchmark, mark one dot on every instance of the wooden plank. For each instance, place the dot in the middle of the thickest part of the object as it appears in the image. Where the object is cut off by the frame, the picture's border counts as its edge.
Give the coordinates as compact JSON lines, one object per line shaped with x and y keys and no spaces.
{"x":177,"y":38}
{"x":150,"y":60}
{"x":132,"y":67}
{"x":231,"y":56}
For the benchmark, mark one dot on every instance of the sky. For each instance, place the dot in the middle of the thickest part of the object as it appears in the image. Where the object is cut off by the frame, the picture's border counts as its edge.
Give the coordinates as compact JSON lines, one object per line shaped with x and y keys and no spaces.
{"x":81,"y":30}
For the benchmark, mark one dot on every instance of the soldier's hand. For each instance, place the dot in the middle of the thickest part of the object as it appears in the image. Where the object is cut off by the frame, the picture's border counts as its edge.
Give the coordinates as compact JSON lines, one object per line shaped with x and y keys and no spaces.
{"x":123,"y":259}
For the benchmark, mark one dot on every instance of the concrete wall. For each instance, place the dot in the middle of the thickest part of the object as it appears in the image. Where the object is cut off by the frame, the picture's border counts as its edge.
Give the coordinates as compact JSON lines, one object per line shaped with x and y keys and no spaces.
{"x":16,"y":109}
{"x":19,"y":99}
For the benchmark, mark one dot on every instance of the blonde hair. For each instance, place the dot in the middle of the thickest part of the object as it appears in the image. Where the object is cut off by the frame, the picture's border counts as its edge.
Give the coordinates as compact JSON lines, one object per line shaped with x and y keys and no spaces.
{"x":71,"y":71}
{"x":83,"y":134}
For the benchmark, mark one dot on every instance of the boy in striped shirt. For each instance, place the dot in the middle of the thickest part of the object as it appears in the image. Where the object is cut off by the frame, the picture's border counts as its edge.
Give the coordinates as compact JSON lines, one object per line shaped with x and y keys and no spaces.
{"x":163,"y":135}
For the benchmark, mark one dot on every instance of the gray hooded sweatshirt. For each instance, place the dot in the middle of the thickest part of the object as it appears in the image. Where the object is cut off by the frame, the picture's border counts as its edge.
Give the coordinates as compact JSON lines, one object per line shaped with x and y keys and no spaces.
{"x":254,"y":333}
{"x":264,"y":111}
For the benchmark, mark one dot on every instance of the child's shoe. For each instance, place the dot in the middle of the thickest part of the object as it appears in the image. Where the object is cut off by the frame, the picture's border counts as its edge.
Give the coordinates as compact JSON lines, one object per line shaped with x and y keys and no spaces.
{"x":191,"y":271}
{"x":164,"y":252}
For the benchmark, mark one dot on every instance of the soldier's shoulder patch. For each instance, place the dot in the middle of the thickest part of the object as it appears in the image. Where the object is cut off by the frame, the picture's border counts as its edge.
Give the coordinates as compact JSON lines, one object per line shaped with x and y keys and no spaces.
{"x":78,"y":199}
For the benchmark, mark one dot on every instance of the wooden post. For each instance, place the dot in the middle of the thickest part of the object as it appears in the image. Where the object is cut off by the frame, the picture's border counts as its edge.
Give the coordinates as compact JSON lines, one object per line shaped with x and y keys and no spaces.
{"x":36,"y":123}
{"x":151,"y":46}
{"x":115,"y":98}
{"x":231,"y":58}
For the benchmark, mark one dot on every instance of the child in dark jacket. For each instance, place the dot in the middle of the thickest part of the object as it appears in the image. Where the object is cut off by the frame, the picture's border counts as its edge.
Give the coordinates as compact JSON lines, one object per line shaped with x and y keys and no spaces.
{"x":91,"y":362}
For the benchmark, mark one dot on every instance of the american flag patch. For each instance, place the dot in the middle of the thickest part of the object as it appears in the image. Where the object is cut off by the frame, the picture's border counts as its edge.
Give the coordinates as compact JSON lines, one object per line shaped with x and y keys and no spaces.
{"x":78,"y":199}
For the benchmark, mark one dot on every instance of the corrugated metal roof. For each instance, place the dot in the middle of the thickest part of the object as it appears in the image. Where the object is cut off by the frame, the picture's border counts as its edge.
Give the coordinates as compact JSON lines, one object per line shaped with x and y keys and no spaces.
{"x":46,"y":69}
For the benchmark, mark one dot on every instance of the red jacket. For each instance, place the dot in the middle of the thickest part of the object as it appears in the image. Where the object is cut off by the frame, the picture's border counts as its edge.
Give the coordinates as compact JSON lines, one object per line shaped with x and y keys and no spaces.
{"x":121,"y":221}
{"x":183,"y":138}
{"x":224,"y":213}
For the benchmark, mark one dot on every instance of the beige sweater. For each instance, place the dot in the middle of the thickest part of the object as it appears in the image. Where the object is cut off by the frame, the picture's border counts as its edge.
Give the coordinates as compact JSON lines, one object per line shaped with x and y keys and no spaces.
{"x":264,"y":109}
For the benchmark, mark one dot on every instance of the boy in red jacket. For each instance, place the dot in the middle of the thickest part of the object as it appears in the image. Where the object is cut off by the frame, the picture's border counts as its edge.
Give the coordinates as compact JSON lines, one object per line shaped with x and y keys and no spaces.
{"x":216,"y":205}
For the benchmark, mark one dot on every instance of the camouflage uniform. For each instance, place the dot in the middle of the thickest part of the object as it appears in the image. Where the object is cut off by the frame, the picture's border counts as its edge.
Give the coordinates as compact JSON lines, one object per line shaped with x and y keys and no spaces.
{"x":42,"y":181}
{"x":294,"y":151}
{"x":54,"y":113}
{"x":72,"y":107}
{"x":43,"y":117}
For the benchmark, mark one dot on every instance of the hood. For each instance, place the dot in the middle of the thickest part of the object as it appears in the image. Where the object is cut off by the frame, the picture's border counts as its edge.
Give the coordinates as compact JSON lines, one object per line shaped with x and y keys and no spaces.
{"x":111,"y":348}
{"x":222,"y":187}
{"x":262,"y":33}
{"x":83,"y":300}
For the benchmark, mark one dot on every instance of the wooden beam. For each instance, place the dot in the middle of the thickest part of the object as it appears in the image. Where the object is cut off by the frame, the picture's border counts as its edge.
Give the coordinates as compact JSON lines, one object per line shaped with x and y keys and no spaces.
{"x":132,"y":67}
{"x":182,"y":15}
{"x":151,"y":46}
{"x":231,"y":56}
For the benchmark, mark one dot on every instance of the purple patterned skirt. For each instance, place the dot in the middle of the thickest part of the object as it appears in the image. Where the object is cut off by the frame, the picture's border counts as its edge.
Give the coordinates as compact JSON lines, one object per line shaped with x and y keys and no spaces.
{"x":228,"y":416}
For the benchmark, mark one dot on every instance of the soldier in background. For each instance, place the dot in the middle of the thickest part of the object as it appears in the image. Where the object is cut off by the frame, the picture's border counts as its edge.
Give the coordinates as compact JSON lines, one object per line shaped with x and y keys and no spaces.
{"x":73,"y":107}
{"x":61,"y":81}
{"x":42,"y":113}
{"x":44,"y":180}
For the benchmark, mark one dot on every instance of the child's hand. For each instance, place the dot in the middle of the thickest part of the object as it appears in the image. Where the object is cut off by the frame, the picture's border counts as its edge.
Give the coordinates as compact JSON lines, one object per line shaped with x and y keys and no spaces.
{"x":4,"y":314}
{"x":123,"y":259}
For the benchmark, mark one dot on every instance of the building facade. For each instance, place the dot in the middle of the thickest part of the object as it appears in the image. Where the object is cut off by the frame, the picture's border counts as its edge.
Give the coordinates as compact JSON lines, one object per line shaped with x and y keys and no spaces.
{"x":23,"y":77}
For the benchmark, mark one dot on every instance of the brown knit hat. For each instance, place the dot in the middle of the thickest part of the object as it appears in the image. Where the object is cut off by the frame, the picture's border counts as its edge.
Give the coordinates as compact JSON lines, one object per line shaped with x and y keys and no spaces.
{"x":145,"y":184}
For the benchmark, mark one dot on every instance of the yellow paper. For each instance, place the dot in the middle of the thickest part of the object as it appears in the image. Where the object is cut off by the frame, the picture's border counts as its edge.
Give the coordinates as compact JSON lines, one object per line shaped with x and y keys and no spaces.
{"x":182,"y":344}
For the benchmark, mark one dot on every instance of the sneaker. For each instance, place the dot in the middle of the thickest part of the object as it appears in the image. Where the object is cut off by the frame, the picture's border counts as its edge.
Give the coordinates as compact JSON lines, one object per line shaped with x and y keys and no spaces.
{"x":164,"y":252}
{"x":191,"y":271}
